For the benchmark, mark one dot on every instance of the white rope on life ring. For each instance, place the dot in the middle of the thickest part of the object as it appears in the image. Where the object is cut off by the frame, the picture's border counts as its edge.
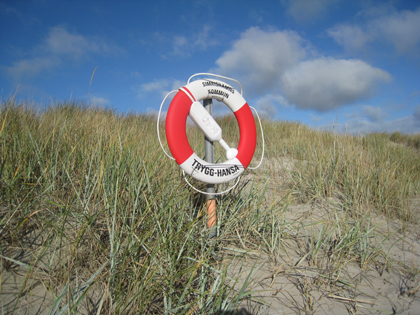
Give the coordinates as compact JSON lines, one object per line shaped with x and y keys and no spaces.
{"x":183,"y":104}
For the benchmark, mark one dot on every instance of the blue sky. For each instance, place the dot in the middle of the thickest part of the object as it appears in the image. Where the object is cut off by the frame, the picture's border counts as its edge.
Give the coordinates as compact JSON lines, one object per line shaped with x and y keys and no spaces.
{"x":349,"y":65}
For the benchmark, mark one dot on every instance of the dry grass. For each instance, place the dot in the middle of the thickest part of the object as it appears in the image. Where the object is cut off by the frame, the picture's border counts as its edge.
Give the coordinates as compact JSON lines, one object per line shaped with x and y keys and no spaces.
{"x":95,"y":215}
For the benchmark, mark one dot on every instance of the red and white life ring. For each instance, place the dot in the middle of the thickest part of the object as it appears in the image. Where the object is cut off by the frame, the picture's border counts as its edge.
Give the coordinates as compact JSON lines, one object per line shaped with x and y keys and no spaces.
{"x":176,"y":135}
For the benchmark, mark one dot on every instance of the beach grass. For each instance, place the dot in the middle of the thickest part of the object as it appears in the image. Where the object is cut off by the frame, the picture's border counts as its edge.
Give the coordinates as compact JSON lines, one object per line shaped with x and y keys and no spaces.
{"x":94,"y":212}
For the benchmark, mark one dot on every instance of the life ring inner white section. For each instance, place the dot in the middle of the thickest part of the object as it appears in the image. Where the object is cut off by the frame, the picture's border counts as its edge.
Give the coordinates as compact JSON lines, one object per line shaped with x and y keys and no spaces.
{"x":210,"y":172}
{"x":214,"y":89}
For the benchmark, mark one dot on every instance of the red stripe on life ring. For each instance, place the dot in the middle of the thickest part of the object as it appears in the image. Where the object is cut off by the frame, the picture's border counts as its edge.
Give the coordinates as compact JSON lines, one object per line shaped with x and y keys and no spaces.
{"x":189,"y":92}
{"x":176,"y":134}
{"x":248,"y":135}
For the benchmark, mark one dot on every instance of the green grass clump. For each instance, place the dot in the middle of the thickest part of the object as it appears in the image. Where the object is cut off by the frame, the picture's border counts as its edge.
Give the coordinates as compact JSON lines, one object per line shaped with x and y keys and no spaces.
{"x":364,"y":172}
{"x":412,"y":140}
{"x":108,"y":225}
{"x":106,"y":204}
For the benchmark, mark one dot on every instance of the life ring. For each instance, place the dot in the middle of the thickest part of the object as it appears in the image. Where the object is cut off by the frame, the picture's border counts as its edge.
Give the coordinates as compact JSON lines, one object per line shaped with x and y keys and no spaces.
{"x":176,"y":120}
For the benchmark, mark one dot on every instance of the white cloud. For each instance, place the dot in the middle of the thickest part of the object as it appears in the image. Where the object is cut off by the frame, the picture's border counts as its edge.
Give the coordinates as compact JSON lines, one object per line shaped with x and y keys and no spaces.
{"x":401,"y":29}
{"x":372,"y":119}
{"x":180,"y":44}
{"x":32,"y":67}
{"x":59,"y":46}
{"x":183,"y":46}
{"x":260,"y":57}
{"x":61,"y":42}
{"x":350,"y":36}
{"x":267,"y":105}
{"x":160,"y":86}
{"x":374,"y":114}
{"x":272,"y":63}
{"x":416,"y":113}
{"x":99,"y":101}
{"x":407,"y":124}
{"x":316,"y":118}
{"x":205,"y":39}
{"x":156,"y":85}
{"x":155,"y":113}
{"x":304,"y":10}
{"x":327,"y":83}
{"x":257,"y":15}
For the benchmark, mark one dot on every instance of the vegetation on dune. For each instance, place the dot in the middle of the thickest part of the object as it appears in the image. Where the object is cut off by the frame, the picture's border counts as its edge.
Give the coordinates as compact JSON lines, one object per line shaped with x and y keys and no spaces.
{"x":108,"y":225}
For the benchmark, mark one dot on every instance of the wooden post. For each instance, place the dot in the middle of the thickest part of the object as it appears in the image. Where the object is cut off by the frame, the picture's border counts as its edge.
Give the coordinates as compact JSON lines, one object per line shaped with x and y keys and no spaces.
{"x":210,"y":199}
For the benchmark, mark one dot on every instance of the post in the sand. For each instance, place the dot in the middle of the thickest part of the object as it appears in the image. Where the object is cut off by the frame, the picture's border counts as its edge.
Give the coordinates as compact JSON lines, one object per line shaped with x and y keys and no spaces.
{"x":210,"y":198}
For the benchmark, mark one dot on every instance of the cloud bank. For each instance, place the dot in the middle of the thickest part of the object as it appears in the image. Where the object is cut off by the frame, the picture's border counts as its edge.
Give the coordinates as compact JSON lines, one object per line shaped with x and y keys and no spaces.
{"x":161,"y":86}
{"x":58,"y":47}
{"x":259,"y":58}
{"x":280,"y":63}
{"x":399,"y":29}
{"x":325,"y":84}
{"x":305,"y":10}
{"x":373,"y":119}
